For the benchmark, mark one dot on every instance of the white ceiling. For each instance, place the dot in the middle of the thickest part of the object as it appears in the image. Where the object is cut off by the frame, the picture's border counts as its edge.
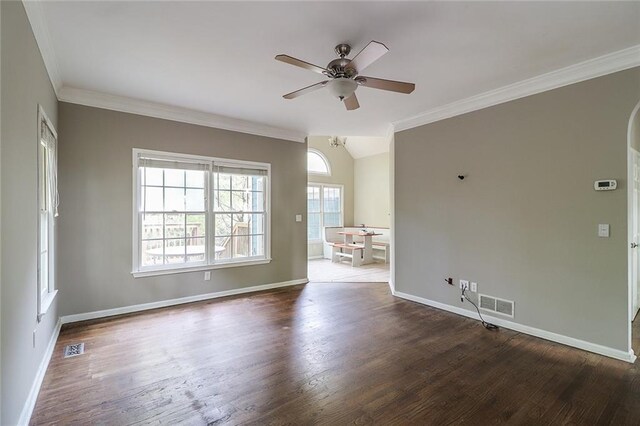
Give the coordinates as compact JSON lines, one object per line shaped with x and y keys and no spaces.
{"x":219,"y":57}
{"x":365,"y":146}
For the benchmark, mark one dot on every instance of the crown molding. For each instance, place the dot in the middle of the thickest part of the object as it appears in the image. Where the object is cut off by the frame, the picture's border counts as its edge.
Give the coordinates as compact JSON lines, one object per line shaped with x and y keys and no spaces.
{"x":592,"y":68}
{"x":36,"y":16}
{"x":173,"y":113}
{"x":390,"y":135}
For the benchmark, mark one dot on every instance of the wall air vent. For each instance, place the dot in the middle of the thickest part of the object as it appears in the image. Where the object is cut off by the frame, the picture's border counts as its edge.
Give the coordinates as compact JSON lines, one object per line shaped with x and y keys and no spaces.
{"x":487,"y":302}
{"x":496,"y":305}
{"x":73,"y":350}
{"x":504,"y":307}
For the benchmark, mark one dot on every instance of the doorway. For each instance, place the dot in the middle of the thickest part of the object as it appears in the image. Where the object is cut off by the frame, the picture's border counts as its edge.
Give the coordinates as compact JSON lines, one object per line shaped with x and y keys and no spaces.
{"x":348,"y":235}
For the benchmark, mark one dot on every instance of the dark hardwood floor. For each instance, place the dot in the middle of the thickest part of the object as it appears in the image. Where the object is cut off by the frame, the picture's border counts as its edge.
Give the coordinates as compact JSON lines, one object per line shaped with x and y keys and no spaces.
{"x":331,"y":354}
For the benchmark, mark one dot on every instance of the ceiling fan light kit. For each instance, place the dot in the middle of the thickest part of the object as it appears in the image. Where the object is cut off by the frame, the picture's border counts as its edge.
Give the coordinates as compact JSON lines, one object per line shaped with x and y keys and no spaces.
{"x":343,"y":74}
{"x":342,"y":87}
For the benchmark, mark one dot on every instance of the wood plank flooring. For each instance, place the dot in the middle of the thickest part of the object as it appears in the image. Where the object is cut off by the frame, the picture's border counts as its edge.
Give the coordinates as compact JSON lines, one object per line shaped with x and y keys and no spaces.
{"x":329,"y":354}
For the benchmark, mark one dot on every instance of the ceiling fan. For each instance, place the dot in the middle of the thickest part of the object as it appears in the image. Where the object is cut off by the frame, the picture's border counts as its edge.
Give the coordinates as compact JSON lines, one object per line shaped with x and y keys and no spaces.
{"x":344,"y":74}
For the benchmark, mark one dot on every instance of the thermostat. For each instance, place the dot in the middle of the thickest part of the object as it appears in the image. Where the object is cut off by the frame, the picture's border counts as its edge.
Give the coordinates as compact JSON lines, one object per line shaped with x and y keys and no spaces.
{"x":605,"y":185}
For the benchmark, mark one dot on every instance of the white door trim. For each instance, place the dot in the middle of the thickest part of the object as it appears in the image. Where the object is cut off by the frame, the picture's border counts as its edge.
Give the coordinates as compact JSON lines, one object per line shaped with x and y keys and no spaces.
{"x":634,"y":231}
{"x":630,"y":237}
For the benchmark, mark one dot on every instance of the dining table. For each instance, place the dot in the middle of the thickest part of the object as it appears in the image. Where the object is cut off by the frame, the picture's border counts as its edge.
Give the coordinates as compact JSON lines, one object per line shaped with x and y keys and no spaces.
{"x":366,"y":243}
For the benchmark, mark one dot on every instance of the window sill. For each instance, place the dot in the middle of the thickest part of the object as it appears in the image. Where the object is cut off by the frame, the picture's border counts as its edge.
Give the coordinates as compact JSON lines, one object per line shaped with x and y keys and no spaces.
{"x":156,"y":272}
{"x":46,"y":302}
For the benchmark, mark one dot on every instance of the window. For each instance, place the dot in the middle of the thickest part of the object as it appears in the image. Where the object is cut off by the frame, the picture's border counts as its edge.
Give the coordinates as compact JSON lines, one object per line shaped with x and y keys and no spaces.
{"x":173,"y":212}
{"x":239,"y":212}
{"x":48,"y":201}
{"x":317,"y":163}
{"x":324,"y":208}
{"x":196,"y":212}
{"x":314,"y":213}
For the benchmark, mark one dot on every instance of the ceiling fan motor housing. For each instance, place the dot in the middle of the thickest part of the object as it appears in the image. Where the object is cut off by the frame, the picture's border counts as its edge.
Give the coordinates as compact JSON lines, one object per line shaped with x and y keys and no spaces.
{"x":338,"y":68}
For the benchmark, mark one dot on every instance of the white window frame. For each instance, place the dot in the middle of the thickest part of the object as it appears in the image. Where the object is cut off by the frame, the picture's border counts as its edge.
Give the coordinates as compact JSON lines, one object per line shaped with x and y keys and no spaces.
{"x":45,"y":298}
{"x":210,"y":262}
{"x":322,"y":186}
{"x":324,"y":158}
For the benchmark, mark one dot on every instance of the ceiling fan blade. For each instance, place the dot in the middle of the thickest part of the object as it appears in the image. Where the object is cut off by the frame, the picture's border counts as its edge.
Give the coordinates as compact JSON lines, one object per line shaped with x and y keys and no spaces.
{"x":305,"y":90}
{"x":351,"y":102}
{"x":371,"y":53}
{"x":391,"y":85}
{"x":302,"y":64}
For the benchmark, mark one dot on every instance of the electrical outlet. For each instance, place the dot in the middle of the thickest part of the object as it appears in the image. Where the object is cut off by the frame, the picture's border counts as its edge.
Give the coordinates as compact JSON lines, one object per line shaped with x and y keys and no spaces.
{"x":464,"y":285}
{"x":207,"y":275}
{"x":474,"y":287}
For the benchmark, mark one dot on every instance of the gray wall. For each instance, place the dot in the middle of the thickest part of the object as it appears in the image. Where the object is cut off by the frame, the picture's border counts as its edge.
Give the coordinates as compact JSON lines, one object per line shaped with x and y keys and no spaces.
{"x":0,"y":225}
{"x":25,"y":84}
{"x":371,"y":190}
{"x":95,"y":225}
{"x":523,"y":224}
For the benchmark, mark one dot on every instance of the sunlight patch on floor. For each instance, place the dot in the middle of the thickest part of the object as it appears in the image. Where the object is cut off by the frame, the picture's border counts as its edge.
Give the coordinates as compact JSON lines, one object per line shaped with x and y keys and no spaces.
{"x":327,"y":271}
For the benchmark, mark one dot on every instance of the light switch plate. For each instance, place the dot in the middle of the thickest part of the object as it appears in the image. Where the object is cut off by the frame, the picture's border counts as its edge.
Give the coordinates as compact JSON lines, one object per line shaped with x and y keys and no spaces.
{"x":207,"y":275}
{"x":298,"y":218}
{"x":603,"y":230}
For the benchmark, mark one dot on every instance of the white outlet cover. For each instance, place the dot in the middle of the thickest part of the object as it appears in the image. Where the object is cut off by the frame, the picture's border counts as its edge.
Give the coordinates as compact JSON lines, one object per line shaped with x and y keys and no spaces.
{"x":298,"y":218}
{"x":463,"y":284}
{"x":207,"y":275}
{"x":474,"y":287}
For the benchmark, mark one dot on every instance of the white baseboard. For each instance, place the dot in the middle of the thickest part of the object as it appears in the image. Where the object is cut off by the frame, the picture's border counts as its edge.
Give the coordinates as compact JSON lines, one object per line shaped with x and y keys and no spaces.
{"x":30,"y":403}
{"x":543,"y":334}
{"x":164,"y":303}
{"x":315,"y":257}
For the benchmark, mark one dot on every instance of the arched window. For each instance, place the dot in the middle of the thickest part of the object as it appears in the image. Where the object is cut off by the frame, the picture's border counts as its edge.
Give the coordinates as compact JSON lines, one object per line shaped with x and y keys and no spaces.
{"x":317,"y":163}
